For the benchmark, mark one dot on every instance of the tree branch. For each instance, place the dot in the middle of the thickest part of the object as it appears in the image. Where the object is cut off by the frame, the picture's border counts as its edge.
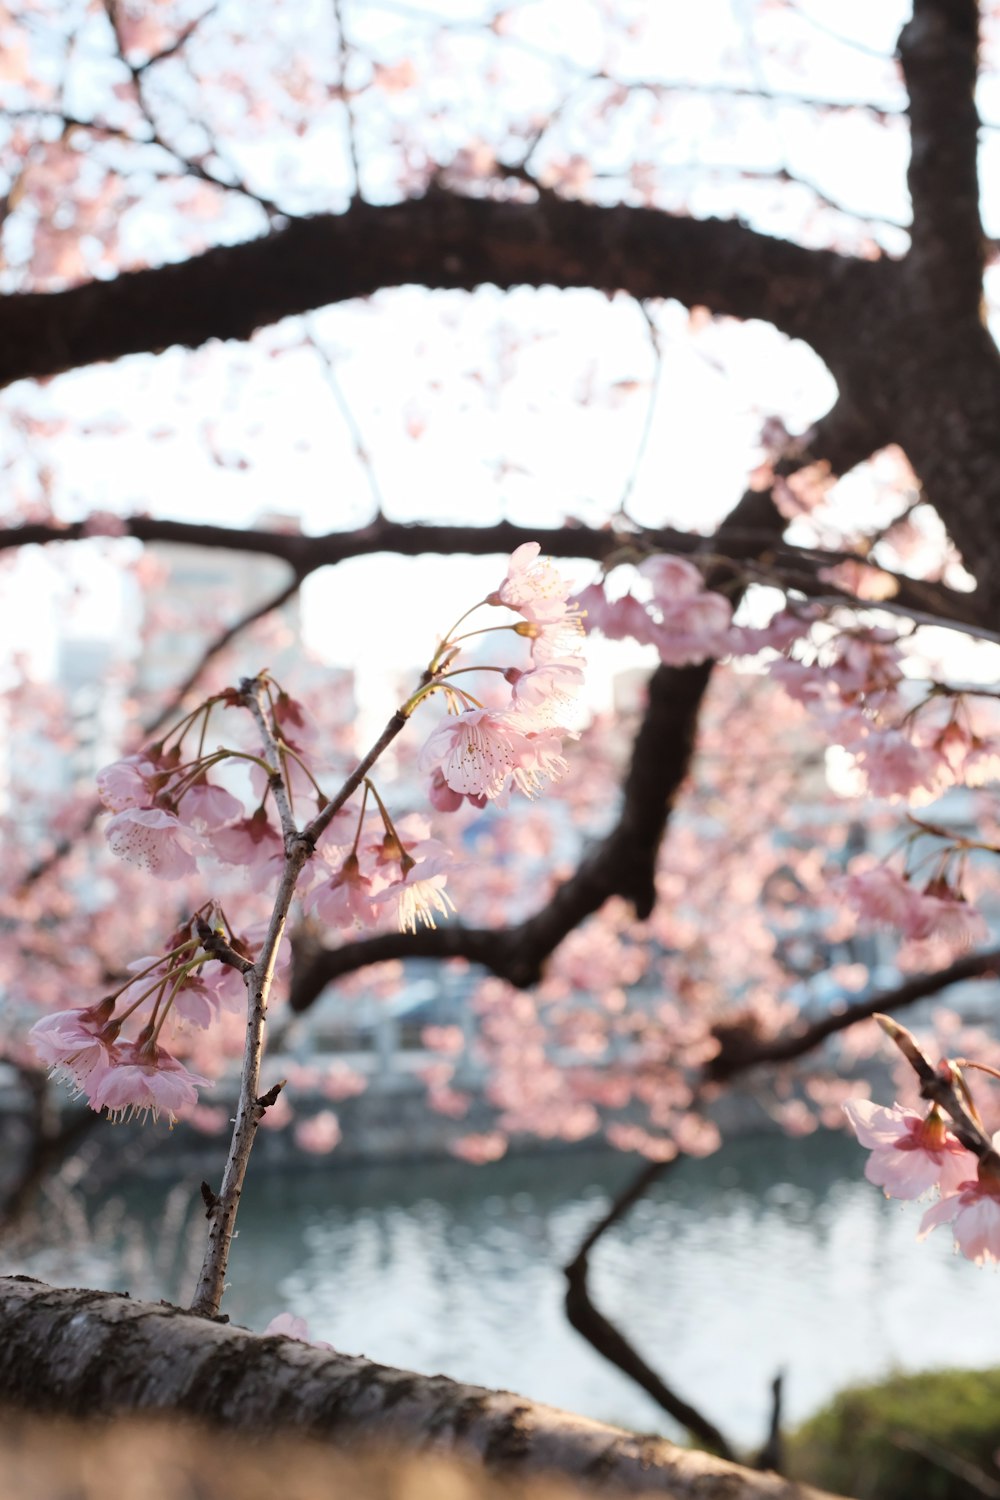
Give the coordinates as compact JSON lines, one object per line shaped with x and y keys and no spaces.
{"x":775,"y":561}
{"x":442,"y":240}
{"x":88,"y":1354}
{"x":939,"y":52}
{"x":737,"y":1056}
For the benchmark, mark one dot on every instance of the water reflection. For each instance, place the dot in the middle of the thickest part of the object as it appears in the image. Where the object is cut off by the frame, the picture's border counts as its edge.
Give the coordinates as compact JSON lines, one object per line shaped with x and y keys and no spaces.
{"x":771,"y":1254}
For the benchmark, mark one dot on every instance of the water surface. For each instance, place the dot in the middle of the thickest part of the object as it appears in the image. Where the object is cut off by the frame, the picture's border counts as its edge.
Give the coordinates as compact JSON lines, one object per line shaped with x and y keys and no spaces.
{"x":771,"y":1254}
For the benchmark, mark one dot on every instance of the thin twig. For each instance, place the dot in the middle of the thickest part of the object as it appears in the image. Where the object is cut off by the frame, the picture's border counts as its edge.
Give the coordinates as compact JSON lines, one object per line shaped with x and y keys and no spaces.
{"x":361,"y":452}
{"x":647,"y":426}
{"x":343,"y":58}
{"x":222,"y":1208}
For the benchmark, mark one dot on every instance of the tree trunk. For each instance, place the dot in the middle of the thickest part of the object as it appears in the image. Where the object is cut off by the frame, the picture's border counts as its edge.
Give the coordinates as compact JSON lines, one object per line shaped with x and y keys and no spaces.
{"x":82,"y":1354}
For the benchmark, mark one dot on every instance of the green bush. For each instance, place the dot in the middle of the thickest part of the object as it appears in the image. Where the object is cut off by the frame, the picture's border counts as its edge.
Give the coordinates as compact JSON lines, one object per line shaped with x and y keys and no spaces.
{"x":915,"y":1437}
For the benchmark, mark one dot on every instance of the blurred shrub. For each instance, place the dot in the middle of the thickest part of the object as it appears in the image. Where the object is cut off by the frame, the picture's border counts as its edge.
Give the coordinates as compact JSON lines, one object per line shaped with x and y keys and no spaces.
{"x":934,"y":1436}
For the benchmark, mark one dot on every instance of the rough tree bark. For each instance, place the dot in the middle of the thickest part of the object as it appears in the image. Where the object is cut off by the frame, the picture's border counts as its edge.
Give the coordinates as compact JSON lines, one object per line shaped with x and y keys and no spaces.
{"x":85,"y":1354}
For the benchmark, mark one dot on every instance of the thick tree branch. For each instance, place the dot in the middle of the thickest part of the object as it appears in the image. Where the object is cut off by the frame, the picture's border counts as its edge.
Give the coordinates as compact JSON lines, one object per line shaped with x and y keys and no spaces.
{"x":739,"y":1052}
{"x":442,"y":240}
{"x":602,"y":1335}
{"x":779,"y":563}
{"x":91,"y":1354}
{"x":939,"y":52}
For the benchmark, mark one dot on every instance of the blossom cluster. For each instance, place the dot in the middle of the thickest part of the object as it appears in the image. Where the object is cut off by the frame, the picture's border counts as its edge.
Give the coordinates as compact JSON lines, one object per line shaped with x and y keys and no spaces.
{"x":170,"y":816}
{"x":129,"y":1079}
{"x":478,"y":753}
{"x":686,"y":622}
{"x":914,"y":1155}
{"x":885,"y":896}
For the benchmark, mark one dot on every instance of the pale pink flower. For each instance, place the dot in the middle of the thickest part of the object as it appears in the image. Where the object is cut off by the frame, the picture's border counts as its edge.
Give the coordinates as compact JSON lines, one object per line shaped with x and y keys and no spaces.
{"x":443,"y":799}
{"x":779,"y":634}
{"x":624,"y":618}
{"x":319,"y":1134}
{"x":252,"y":842}
{"x":546,"y":695}
{"x":475,"y":751}
{"x":194,"y":1003}
{"x":941,"y":911}
{"x":895,"y":767}
{"x":419,"y":894}
{"x":673,"y":578}
{"x":804,"y":682}
{"x":154,"y":840}
{"x":532,"y":583}
{"x":540,"y":759}
{"x":634,"y":1138}
{"x":345,"y":899}
{"x":480,"y":1149}
{"x":867,"y":664}
{"x":77,"y":1044}
{"x":552,"y":639}
{"x":910,"y":1155}
{"x":594,"y":608}
{"x":144,"y":1079}
{"x":974,"y":1215}
{"x":132,"y":781}
{"x":208,"y":806}
{"x":693,"y":629}
{"x":881,"y":895}
{"x":224,"y":986}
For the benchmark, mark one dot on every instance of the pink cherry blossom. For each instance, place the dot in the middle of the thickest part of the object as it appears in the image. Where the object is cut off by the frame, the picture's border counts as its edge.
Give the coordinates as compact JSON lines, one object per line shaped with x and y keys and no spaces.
{"x":480,"y":1149}
{"x":693,"y":629}
{"x":545,"y":696}
{"x":253,"y":843}
{"x":673,"y":578}
{"x":532,"y":582}
{"x":419,"y":894}
{"x":143,"y":1080}
{"x":154,"y":840}
{"x":319,"y":1134}
{"x":208,"y":806}
{"x":594,"y":607}
{"x":224,"y":986}
{"x":624,"y":618}
{"x":345,"y":899}
{"x":781,"y":632}
{"x":974,"y":1215}
{"x":885,"y":896}
{"x":540,"y":759}
{"x":867,"y":664}
{"x":443,"y":799}
{"x":77,"y":1044}
{"x":475,"y":752}
{"x":552,"y":639}
{"x":895,"y":767}
{"x":881,"y":895}
{"x":911,"y":1155}
{"x":941,"y":911}
{"x":130,"y":782}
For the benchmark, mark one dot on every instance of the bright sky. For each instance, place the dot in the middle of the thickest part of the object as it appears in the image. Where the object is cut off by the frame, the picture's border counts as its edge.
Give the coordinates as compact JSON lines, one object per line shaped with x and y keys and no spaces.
{"x":532,"y":405}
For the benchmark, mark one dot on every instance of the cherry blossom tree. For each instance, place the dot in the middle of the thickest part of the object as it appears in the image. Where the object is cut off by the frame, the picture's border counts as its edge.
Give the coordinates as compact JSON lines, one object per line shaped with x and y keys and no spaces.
{"x":194,"y":203}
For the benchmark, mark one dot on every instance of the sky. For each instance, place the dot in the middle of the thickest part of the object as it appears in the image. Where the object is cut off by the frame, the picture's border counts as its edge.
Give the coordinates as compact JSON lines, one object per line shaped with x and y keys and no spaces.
{"x":536,"y":405}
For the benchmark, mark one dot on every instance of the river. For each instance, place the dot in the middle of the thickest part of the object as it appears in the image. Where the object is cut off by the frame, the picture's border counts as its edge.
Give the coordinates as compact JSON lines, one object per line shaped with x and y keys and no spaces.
{"x":771,"y":1254}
